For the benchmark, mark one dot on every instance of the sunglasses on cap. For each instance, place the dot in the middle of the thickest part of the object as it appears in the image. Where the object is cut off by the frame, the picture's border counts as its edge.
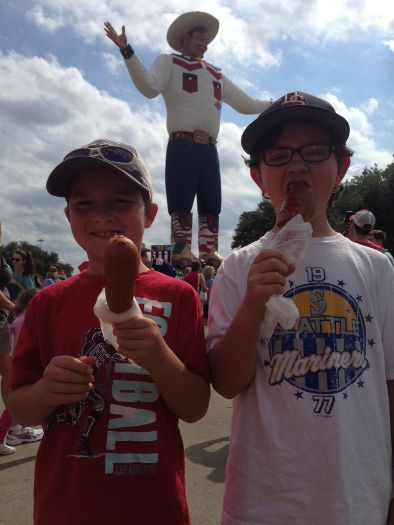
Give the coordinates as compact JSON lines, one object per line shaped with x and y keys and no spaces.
{"x":114,"y":154}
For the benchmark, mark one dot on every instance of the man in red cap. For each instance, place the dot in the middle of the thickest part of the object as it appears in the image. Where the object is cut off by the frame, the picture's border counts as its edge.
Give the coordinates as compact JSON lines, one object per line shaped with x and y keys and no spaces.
{"x":360,"y":227}
{"x":193,"y":91}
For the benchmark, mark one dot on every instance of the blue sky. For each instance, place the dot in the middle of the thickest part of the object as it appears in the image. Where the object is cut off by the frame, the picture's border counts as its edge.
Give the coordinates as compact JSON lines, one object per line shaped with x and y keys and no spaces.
{"x":63,"y":84}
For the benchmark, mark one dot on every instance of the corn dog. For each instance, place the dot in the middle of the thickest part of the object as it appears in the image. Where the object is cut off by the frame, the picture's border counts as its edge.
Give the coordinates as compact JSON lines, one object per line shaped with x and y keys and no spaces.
{"x":290,"y":205}
{"x":121,"y":264}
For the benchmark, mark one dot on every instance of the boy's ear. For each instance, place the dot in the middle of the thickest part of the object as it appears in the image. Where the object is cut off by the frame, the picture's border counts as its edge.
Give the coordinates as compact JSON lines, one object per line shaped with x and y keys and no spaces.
{"x":67,"y":213}
{"x":151,"y":214}
{"x":256,"y":176}
{"x":343,"y":166}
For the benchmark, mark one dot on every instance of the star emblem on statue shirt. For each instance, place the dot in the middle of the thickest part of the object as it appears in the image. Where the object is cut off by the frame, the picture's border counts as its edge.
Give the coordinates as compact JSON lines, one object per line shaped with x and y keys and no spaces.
{"x":368,"y":318}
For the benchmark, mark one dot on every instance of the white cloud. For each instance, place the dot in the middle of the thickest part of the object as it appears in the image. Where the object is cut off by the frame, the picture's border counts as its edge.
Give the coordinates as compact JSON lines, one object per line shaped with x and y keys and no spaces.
{"x":390,"y":44}
{"x":248,"y":30}
{"x":46,"y":111}
{"x":112,"y":63}
{"x":361,"y":140}
{"x":371,"y":106}
{"x":47,"y":22}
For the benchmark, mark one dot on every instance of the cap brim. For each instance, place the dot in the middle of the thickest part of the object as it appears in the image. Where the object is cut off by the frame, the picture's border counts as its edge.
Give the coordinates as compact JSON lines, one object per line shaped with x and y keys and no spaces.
{"x":61,"y":177}
{"x":185,"y":23}
{"x":253,"y":135}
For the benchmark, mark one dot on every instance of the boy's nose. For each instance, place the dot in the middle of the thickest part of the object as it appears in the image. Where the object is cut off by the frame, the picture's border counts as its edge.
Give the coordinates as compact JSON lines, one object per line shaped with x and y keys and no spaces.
{"x":296,"y":161}
{"x":102,"y":213}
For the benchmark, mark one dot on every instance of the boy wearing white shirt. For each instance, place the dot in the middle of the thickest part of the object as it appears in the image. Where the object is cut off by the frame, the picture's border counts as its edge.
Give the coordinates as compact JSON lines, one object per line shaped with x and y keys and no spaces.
{"x":310,"y":440}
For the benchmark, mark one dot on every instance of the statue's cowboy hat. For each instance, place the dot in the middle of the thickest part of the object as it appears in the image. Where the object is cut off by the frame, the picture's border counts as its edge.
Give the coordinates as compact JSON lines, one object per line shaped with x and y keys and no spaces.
{"x":185,"y":23}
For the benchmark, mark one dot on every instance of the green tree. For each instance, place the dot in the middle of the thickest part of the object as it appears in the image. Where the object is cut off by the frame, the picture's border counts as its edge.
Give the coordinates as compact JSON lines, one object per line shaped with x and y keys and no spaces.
{"x":42,"y":258}
{"x":253,"y":224}
{"x":374,"y":190}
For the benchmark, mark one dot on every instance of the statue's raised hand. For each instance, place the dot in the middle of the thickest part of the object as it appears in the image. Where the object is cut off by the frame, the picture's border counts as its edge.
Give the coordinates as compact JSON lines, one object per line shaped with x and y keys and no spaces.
{"x":119,"y":39}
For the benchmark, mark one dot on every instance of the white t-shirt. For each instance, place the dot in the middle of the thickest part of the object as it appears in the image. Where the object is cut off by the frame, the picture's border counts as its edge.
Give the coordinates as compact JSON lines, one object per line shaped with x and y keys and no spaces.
{"x":310,"y":439}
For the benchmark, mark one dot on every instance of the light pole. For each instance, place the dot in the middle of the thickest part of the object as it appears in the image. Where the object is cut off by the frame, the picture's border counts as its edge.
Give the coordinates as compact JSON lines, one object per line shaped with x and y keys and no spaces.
{"x":40,"y":241}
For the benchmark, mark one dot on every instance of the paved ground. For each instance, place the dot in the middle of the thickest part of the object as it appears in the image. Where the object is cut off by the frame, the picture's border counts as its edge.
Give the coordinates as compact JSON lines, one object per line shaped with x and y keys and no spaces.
{"x":206,"y":446}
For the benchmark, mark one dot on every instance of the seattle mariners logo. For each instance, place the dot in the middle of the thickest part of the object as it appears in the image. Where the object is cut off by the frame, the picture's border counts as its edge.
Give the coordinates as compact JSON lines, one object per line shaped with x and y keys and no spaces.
{"x":326,"y":351}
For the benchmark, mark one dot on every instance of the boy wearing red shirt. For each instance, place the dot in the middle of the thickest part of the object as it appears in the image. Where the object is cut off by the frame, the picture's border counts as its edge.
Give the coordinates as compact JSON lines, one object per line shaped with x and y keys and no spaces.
{"x":112,"y":451}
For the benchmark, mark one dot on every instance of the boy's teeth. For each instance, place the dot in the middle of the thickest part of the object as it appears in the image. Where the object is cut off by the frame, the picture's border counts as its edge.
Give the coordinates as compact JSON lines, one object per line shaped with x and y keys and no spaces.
{"x":106,"y":234}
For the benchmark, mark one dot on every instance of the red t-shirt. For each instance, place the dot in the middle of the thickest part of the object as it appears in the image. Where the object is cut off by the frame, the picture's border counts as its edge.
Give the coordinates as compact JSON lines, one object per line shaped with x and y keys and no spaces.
{"x":192,"y":279}
{"x":118,"y":456}
{"x":370,"y":244}
{"x":196,"y":280}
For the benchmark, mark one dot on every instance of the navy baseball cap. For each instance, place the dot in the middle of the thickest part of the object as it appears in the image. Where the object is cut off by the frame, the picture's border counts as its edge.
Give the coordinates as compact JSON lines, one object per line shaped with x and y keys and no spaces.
{"x":162,"y":266}
{"x":294,"y":106}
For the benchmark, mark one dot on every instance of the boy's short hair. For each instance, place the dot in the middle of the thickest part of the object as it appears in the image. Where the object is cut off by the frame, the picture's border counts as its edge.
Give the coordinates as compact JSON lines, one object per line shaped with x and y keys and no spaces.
{"x":293,"y":106}
{"x":102,"y":153}
{"x":208,"y":272}
{"x":379,"y":235}
{"x":195,"y":265}
{"x":23,"y":299}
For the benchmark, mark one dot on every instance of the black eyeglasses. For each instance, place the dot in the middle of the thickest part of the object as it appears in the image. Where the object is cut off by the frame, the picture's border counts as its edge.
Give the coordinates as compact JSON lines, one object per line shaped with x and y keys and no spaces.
{"x":312,"y":153}
{"x":111,"y":153}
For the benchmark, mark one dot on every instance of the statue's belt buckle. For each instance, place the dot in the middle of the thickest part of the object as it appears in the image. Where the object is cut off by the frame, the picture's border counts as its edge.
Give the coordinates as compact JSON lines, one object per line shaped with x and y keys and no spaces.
{"x":201,"y":137}
{"x":198,"y":136}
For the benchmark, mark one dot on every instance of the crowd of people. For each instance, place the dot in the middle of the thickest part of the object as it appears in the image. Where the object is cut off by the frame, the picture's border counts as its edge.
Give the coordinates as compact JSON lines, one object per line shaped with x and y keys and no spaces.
{"x":199,"y":275}
{"x":360,"y":229}
{"x":311,"y":437}
{"x":19,"y":282}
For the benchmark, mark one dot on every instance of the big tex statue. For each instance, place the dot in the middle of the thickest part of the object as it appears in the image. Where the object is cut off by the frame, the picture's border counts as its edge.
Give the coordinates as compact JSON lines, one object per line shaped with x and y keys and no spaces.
{"x":193,"y":91}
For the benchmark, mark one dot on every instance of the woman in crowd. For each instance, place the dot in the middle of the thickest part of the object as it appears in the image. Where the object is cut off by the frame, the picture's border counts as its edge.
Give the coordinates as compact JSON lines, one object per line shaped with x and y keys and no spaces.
{"x":11,"y":434}
{"x":6,"y":306}
{"x":51,"y":277}
{"x":23,"y":271}
{"x":195,"y":278}
{"x":208,"y":273}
